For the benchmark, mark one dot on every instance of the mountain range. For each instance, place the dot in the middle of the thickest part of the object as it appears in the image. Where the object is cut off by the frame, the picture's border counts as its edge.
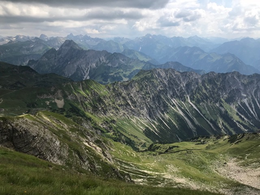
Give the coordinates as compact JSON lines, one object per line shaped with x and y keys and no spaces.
{"x":196,"y":58}
{"x":20,"y":51}
{"x":73,"y":62}
{"x":194,"y":52}
{"x":158,"y":105}
{"x":247,"y":49}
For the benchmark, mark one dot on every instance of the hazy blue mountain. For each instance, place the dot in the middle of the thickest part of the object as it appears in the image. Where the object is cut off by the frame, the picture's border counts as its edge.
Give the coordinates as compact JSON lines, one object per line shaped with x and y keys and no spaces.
{"x":121,"y":40}
{"x":73,"y":62}
{"x":257,"y":64}
{"x":196,"y":58}
{"x":20,"y":52}
{"x":110,"y":46}
{"x":139,"y":55}
{"x":20,"y":49}
{"x":246,"y":49}
{"x":151,"y":45}
{"x":173,"y":65}
{"x":156,"y":45}
{"x":218,"y":40}
{"x":87,"y":42}
{"x":55,"y":42}
{"x":195,"y":41}
{"x":17,"y":38}
{"x":156,"y":49}
{"x":44,"y":37}
{"x":84,"y":41}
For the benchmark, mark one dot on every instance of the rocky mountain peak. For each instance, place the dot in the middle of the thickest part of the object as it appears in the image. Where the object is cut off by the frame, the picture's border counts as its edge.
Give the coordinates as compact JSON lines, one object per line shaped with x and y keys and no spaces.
{"x":44,"y":37}
{"x":69,"y":44}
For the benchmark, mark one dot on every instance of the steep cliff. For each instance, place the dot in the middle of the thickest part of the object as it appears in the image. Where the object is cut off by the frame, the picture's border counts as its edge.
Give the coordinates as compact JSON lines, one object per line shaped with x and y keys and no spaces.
{"x":57,"y":139}
{"x":155,"y":106}
{"x":167,"y":106}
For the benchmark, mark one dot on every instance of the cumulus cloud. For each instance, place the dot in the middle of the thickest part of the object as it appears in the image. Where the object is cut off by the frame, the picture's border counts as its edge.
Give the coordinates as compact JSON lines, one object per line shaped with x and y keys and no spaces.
{"x":94,"y":3}
{"x":113,"y":14}
{"x":244,"y":18}
{"x":103,"y":18}
{"x":168,"y":22}
{"x":187,"y":15}
{"x":182,"y":13}
{"x":236,"y":11}
{"x":251,"y":20}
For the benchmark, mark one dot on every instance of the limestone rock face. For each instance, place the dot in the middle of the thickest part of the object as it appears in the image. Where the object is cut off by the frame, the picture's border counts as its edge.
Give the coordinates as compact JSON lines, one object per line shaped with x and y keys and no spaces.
{"x":32,"y":138}
{"x":59,"y":141}
{"x":176,"y":106}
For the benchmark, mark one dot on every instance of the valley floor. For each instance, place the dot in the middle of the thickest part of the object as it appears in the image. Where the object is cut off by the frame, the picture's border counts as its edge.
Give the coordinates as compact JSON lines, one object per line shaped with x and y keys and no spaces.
{"x":227,"y":165}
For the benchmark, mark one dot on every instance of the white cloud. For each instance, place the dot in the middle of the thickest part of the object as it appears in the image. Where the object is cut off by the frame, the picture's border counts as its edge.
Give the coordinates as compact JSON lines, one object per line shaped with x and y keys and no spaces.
{"x":91,"y":31}
{"x":243,"y":19}
{"x":248,"y":3}
{"x":226,"y":18}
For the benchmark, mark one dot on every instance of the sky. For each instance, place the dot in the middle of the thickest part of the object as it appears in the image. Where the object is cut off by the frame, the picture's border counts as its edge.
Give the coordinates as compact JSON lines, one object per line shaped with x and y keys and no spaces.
{"x":131,"y":18}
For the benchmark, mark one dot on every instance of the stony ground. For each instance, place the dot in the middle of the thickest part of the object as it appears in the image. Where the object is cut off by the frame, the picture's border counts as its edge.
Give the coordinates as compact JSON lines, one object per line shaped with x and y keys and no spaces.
{"x":249,"y":176}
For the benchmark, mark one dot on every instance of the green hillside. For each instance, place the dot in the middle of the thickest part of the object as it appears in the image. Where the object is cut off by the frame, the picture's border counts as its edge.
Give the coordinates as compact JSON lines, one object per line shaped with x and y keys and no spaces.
{"x":25,"y":174}
{"x":220,"y":164}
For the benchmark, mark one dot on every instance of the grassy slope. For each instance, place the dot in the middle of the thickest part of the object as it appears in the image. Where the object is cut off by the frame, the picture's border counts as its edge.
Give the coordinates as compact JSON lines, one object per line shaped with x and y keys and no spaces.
{"x":191,"y":164}
{"x":24,"y":174}
{"x":184,"y":165}
{"x":73,"y":137}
